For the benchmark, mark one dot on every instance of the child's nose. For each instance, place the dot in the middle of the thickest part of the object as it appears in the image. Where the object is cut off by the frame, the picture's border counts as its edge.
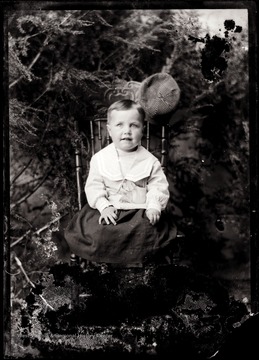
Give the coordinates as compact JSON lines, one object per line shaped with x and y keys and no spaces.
{"x":127,"y":129}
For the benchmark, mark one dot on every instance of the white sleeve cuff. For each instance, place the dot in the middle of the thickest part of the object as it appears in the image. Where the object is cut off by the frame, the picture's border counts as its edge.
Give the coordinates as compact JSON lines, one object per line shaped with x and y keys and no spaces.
{"x":154,"y":205}
{"x":101,"y":204}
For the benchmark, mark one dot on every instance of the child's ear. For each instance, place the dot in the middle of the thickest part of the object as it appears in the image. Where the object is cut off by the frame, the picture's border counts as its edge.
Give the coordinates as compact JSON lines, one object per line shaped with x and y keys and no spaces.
{"x":108,"y":128}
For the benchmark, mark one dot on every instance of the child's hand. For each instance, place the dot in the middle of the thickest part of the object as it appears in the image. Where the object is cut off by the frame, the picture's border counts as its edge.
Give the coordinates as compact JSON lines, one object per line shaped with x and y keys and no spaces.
{"x":153,"y":216}
{"x":108,"y":214}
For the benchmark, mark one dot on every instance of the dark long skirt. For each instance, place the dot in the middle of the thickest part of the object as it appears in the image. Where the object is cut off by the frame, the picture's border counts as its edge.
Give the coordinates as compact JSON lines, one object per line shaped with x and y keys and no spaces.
{"x":132,"y":240}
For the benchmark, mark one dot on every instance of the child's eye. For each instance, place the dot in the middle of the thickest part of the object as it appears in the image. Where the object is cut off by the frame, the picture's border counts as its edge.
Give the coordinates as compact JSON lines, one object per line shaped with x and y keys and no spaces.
{"x":135,"y":125}
{"x":119,"y":124}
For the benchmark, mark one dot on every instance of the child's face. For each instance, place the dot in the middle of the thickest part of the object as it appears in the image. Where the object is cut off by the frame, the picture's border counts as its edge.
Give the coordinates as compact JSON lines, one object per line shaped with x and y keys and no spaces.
{"x":126,"y":129}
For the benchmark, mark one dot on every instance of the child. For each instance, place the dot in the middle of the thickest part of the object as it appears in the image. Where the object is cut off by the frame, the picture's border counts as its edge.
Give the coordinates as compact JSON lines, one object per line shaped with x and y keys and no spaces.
{"x":127,"y":191}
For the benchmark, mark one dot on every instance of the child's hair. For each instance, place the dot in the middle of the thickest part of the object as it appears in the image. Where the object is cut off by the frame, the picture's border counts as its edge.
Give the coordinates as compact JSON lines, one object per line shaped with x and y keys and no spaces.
{"x":125,"y":104}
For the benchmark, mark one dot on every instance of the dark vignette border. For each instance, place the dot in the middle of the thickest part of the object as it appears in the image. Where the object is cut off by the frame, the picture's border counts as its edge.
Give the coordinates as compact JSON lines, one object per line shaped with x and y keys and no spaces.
{"x":252,"y":8}
{"x":254,"y":162}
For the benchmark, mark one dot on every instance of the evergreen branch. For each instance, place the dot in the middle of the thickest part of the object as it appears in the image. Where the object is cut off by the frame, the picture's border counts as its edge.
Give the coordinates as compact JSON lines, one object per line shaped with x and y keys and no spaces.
{"x":33,"y":190}
{"x":22,"y":171}
{"x":21,"y":238}
{"x":32,"y":63}
{"x":18,"y":262}
{"x":117,"y":50}
{"x":34,"y":110}
{"x":65,"y":19}
{"x":37,"y":232}
{"x":48,"y":87}
{"x":50,"y":223}
{"x":22,"y":218}
{"x":30,"y":181}
{"x":36,"y":34}
{"x":39,"y":53}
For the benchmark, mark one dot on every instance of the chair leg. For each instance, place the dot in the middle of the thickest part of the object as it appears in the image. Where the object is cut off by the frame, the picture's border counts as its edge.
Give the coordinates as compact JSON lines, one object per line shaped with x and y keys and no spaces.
{"x":174,"y":255}
{"x":73,"y":259}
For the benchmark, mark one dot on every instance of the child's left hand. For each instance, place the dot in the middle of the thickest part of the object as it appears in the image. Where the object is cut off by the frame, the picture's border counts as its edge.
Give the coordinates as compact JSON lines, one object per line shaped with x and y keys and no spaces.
{"x":153,"y":216}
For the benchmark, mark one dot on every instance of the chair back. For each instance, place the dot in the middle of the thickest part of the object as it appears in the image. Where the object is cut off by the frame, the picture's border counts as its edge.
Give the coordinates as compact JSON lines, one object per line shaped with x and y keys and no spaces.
{"x":154,"y":138}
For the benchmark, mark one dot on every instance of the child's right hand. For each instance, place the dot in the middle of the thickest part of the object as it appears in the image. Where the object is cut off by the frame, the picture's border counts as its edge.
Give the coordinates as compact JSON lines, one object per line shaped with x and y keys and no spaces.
{"x":108,"y":214}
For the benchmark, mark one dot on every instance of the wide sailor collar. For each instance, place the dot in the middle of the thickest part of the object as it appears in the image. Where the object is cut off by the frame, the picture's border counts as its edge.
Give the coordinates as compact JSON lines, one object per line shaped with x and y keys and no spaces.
{"x":108,"y":164}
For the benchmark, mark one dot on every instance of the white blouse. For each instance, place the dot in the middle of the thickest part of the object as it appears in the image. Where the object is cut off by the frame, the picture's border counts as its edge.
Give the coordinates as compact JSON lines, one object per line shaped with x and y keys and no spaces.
{"x":126,"y":180}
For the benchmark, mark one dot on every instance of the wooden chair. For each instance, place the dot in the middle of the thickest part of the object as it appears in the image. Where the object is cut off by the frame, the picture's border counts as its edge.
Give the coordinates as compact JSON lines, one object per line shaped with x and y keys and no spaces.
{"x":155,"y":140}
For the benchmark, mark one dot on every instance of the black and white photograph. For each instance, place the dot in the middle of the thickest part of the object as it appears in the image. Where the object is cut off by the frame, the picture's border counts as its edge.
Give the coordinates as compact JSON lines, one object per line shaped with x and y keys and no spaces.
{"x":130,"y":179}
